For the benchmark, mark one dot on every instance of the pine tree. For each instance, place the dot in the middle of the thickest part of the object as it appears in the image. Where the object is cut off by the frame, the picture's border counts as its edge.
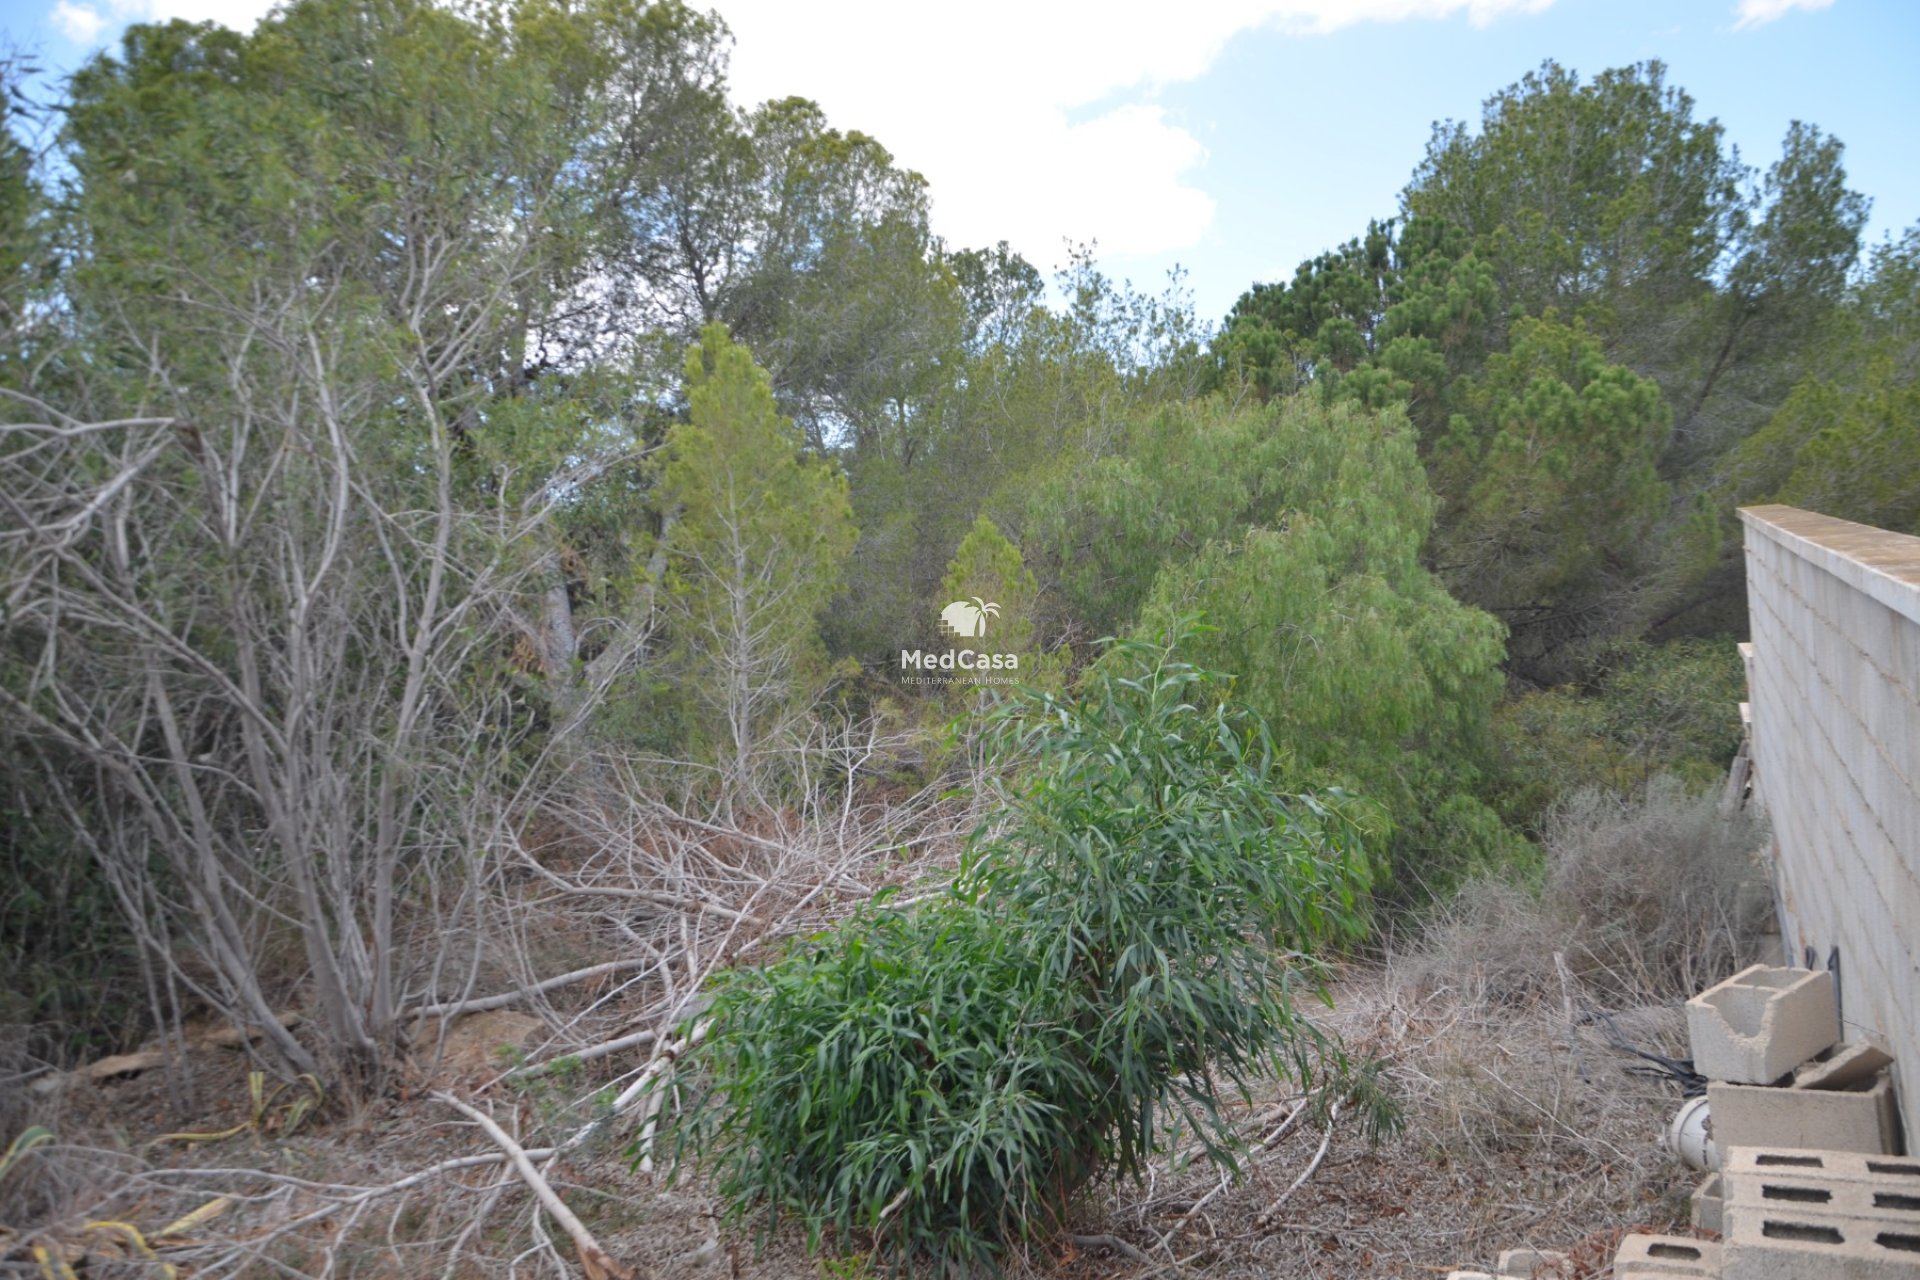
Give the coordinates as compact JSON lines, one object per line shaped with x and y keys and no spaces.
{"x":760,"y":532}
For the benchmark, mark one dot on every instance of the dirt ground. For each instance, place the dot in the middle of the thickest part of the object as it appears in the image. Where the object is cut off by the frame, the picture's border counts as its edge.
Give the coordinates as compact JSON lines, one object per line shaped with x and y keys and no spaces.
{"x":1517,"y":1133}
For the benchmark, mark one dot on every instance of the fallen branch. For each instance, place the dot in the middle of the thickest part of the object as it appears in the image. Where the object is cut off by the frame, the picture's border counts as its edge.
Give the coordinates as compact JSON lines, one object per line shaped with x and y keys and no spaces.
{"x":1114,"y":1243}
{"x":599,"y":1264}
{"x":481,"y":1004}
{"x":667,"y":900}
{"x":1272,"y":1139}
{"x":534,"y":1070}
{"x":538,"y":1156}
{"x":661,"y":1066}
{"x":1266,"y":1214}
{"x":126,"y":1064}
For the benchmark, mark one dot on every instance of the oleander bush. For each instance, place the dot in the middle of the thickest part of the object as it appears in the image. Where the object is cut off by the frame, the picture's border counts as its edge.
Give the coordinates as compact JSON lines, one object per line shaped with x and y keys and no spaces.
{"x":1126,"y":943}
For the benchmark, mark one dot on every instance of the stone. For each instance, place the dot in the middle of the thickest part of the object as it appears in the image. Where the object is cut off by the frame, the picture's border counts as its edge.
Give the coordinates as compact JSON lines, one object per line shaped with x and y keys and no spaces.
{"x":1533,"y":1264}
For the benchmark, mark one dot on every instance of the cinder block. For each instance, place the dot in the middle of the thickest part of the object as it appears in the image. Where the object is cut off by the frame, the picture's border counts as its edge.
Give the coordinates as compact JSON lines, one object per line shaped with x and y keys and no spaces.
{"x":1791,"y":1244}
{"x":1662,"y":1257}
{"x":1856,"y":1165}
{"x":1797,"y":1214}
{"x":1527,"y":1264}
{"x":1894,"y":1202}
{"x":1847,"y":1066}
{"x":1761,"y":1023}
{"x":1747,"y":1164}
{"x":1856,"y":1119}
{"x":1704,"y":1205}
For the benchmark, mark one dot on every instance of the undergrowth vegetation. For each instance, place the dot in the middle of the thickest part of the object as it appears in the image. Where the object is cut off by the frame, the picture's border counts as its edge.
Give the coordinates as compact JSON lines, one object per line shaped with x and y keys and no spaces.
{"x":512,"y":602}
{"x":1647,"y":896}
{"x":1127,"y":940}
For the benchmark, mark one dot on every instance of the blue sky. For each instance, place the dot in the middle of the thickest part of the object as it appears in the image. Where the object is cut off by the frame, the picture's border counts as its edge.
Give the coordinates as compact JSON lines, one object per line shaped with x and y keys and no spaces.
{"x":1309,"y":137}
{"x":1237,"y":137}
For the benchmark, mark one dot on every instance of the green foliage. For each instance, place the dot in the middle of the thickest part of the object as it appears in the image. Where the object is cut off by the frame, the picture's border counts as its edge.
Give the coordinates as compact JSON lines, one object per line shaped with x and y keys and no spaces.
{"x":758,"y":536}
{"x":1555,"y":483}
{"x":1607,"y":193}
{"x":1601,"y":208}
{"x":941,"y":1081}
{"x":25,"y":261}
{"x":988,"y":567}
{"x":1847,"y":441}
{"x":1369,"y":673}
{"x":1024,"y":393}
{"x":1398,"y":316}
{"x":1655,"y":711}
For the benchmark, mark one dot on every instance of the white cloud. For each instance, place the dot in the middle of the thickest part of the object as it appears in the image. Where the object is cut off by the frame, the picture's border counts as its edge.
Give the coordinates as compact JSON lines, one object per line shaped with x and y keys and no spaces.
{"x":1034,"y":120}
{"x":86,"y":21}
{"x":1758,"y":13}
{"x":80,"y":23}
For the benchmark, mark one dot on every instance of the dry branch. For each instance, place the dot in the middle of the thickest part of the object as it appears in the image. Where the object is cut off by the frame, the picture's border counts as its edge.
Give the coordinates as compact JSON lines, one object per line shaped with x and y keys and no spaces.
{"x":598,"y":1263}
{"x":481,"y":1004}
{"x":661,"y":1066}
{"x":1326,"y":1140}
{"x":1272,"y":1139}
{"x":534,"y":1070}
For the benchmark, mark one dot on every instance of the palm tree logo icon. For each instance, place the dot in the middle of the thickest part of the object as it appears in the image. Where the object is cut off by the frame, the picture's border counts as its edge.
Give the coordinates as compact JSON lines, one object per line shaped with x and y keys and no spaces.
{"x":968,"y":618}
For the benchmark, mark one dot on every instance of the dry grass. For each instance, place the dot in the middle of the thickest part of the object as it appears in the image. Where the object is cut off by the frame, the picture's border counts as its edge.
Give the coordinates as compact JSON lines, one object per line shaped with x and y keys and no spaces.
{"x":1505,"y":1145}
{"x":1650,"y":897}
{"x":1520,"y":1129}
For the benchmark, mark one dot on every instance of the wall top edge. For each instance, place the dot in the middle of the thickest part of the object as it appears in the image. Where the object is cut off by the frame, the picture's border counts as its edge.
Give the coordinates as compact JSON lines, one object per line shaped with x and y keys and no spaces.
{"x":1883,"y":564}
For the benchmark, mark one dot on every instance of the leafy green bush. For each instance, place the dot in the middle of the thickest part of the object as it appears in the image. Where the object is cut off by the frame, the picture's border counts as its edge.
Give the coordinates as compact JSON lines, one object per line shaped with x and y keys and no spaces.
{"x":1671,"y":710}
{"x":1298,"y":529}
{"x":1127,"y":941}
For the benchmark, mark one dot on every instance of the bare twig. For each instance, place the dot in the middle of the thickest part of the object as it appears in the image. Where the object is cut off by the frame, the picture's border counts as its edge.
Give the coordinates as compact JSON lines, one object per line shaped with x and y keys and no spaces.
{"x":1272,"y":1139}
{"x":534,"y":1070}
{"x":1566,"y":1005}
{"x":1267,"y":1214}
{"x":599,"y":1264}
{"x":450,"y":1008}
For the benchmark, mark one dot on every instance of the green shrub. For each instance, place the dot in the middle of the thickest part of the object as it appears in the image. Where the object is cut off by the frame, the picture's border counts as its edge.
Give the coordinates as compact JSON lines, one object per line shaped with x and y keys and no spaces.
{"x":1672,"y":710}
{"x":1129,"y":939}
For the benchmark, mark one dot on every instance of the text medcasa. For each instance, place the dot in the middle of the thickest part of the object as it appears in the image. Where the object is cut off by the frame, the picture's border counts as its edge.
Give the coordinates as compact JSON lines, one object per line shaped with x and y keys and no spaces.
{"x":958,"y":660}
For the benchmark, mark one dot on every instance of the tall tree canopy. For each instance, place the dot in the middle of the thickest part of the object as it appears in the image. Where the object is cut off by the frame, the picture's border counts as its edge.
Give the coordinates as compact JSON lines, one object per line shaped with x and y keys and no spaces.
{"x":1846,"y":442}
{"x":1608,"y":206}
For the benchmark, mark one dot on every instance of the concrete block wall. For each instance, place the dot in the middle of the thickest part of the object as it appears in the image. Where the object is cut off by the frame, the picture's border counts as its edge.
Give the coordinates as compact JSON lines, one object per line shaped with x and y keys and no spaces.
{"x":1834,"y":689}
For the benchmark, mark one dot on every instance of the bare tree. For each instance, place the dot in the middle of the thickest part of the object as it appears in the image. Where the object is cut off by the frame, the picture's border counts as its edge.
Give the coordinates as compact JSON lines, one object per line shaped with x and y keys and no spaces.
{"x":256,"y":657}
